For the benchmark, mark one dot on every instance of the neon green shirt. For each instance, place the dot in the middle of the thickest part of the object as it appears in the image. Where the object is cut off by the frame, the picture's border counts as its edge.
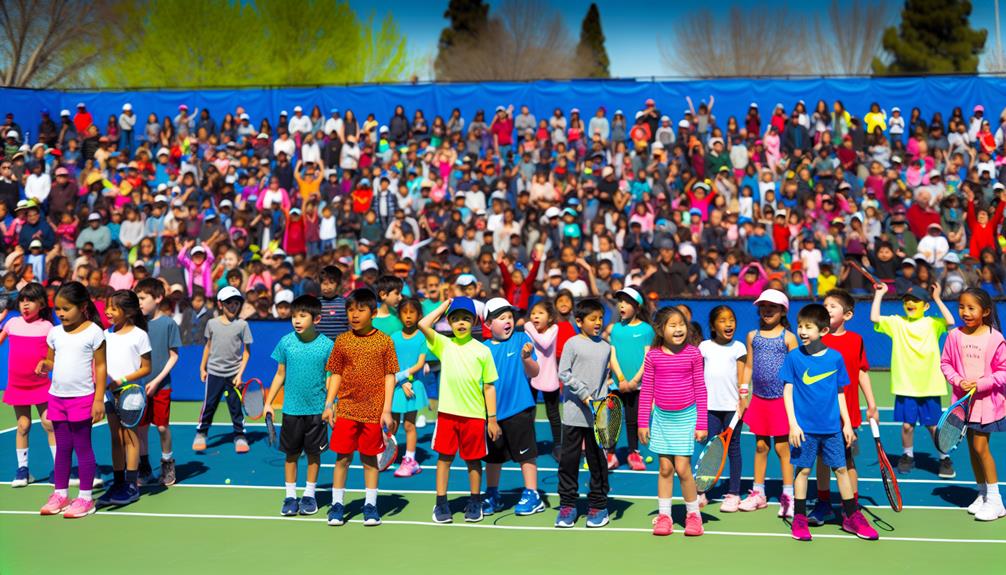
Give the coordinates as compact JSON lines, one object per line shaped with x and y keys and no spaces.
{"x":915,"y":355}
{"x":464,"y":369}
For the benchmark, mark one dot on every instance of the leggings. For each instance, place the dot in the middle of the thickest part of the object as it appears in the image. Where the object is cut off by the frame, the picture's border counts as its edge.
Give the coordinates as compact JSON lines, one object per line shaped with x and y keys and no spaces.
{"x":718,"y":422}
{"x":630,"y":406}
{"x":73,"y":436}
{"x":552,"y":410}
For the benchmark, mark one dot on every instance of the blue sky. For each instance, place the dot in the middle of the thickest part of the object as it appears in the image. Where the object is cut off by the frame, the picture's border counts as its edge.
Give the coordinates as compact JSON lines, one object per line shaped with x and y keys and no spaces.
{"x":630,"y":26}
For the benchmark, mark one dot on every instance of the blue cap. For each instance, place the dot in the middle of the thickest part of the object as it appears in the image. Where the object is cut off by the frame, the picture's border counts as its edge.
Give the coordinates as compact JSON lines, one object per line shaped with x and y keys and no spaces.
{"x":917,"y":292}
{"x":334,"y":111}
{"x":209,"y":214}
{"x":695,"y":212}
{"x":462,"y":304}
{"x":744,"y":220}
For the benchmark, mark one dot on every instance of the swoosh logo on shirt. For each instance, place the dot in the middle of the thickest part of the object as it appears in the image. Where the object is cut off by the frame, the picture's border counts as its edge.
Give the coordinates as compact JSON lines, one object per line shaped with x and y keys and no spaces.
{"x":811,"y":380}
{"x":511,"y":354}
{"x":637,"y":335}
{"x":523,"y":451}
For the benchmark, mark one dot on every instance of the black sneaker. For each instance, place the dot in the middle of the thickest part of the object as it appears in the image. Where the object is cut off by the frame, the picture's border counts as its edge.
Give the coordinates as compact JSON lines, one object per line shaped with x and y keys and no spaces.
{"x":905,"y":463}
{"x":145,"y":475}
{"x":947,"y":469}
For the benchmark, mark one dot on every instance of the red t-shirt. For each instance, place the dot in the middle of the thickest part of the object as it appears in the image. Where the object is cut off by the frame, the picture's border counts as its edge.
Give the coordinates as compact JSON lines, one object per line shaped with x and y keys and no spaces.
{"x":566,"y":331}
{"x":503,"y":130}
{"x":850,"y":346}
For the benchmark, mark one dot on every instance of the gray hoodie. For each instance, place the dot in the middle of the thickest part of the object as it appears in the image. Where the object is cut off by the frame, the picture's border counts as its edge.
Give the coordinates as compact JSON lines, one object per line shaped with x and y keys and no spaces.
{"x":583,"y":370}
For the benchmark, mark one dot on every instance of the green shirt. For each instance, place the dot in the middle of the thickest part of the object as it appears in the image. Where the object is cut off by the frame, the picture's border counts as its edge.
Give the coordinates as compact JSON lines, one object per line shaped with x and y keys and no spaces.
{"x":629,"y":343}
{"x":464,"y":369}
{"x":915,"y":355}
{"x":388,"y":324}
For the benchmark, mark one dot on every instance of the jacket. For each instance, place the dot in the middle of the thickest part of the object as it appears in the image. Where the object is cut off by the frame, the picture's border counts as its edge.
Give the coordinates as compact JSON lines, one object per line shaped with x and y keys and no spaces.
{"x":989,"y":403}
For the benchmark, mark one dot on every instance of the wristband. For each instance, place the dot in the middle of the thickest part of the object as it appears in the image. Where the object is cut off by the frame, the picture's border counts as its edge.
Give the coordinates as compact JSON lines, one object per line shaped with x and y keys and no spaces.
{"x":491,"y":416}
{"x":123,"y":382}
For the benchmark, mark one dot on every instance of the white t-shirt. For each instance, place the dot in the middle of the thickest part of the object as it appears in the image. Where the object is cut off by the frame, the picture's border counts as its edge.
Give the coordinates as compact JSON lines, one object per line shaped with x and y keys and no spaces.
{"x":579,"y":288}
{"x":73,"y":363}
{"x":721,"y":373}
{"x":124,"y":350}
{"x":811,"y":262}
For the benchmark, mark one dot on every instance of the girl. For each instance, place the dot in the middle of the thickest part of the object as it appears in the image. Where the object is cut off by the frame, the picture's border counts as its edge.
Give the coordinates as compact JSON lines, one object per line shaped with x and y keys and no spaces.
{"x":410,"y":394}
{"x":76,"y":358}
{"x":765,"y":413}
{"x":672,"y":403}
{"x":629,"y":338}
{"x":543,"y":331}
{"x":974,"y":358}
{"x":564,"y":314}
{"x":724,"y":363}
{"x":26,"y":387}
{"x":128,"y":350}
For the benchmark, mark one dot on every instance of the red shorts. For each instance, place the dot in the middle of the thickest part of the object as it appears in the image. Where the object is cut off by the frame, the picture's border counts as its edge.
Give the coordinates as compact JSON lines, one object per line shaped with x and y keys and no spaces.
{"x":454,"y":434}
{"x":349,"y":436}
{"x":158,"y":410}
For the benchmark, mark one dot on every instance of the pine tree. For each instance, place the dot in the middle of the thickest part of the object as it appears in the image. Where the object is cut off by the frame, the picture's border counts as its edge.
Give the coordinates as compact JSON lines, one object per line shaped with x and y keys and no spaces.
{"x":468,"y":18}
{"x":935,"y":37}
{"x":590,"y":52}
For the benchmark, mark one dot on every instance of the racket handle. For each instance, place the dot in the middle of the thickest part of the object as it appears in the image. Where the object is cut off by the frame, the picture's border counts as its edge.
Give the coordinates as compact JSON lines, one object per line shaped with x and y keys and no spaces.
{"x":874,"y":428}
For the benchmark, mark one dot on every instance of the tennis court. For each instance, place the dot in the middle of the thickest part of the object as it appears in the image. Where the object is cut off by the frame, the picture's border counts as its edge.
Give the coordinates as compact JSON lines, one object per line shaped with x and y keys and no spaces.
{"x":223,"y":517}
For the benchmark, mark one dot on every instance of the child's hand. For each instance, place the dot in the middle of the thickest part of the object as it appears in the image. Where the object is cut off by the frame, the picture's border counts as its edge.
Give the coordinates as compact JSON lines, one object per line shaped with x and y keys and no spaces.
{"x":701,"y":436}
{"x":407,"y":388}
{"x":644,"y":435}
{"x":796,"y":436}
{"x":202,"y":374}
{"x":150,"y":389}
{"x":525,"y":351}
{"x":968,"y":385}
{"x":268,"y":410}
{"x":849,"y":434}
{"x":881,"y":288}
{"x":42,"y":367}
{"x":494,"y":429}
{"x":97,"y":410}
{"x":387,"y":421}
{"x":937,"y":290}
{"x":328,"y":416}
{"x":872,"y":413}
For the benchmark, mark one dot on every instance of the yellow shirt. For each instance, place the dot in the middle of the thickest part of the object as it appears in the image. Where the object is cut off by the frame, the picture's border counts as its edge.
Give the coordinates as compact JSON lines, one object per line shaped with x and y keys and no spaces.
{"x":826,"y":283}
{"x":915,"y":355}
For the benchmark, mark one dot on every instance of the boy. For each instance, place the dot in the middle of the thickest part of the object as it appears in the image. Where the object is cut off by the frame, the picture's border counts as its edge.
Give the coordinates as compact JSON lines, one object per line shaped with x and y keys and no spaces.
{"x":814,"y":377}
{"x":228,"y":346}
{"x":467,"y":409}
{"x":333,"y":322}
{"x":916,"y":380}
{"x":165,"y":339}
{"x":389,"y":293}
{"x":302,"y":357}
{"x":515,"y":361}
{"x":583,"y":370}
{"x":841,"y":306}
{"x":362,"y":367}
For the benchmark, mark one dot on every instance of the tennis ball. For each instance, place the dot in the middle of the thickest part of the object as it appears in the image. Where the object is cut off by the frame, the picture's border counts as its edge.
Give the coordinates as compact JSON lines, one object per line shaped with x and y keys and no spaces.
{"x":227,"y":481}
{"x":649,"y":459}
{"x":585,"y":466}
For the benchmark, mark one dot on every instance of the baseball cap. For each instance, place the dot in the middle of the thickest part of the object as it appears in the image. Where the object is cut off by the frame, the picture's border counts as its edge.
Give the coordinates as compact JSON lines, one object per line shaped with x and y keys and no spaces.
{"x":283,"y":296}
{"x":64,"y":113}
{"x":228,"y":293}
{"x":951,"y":258}
{"x":198,"y":250}
{"x":298,"y":109}
{"x":367,"y":265}
{"x":35,"y":244}
{"x":916,"y":292}
{"x":979,"y":108}
{"x":465,"y":280}
{"x":12,"y":134}
{"x":62,"y":172}
{"x":465,"y":304}
{"x":688,"y":250}
{"x":127,"y":107}
{"x":632,"y":294}
{"x":160,"y":199}
{"x":773,"y":296}
{"x":908,"y":262}
{"x":552,"y":212}
{"x":495,"y":306}
{"x":94,"y":217}
{"x":935,"y":174}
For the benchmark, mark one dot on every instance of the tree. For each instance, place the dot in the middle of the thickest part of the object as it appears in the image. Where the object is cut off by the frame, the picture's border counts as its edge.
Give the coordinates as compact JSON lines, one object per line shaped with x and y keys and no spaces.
{"x":848,"y":40}
{"x":935,"y":37}
{"x":468,"y":18}
{"x":590,"y":52}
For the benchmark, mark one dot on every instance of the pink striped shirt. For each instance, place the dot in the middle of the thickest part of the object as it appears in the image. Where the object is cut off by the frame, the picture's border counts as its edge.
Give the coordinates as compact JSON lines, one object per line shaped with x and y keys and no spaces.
{"x":673,"y":382}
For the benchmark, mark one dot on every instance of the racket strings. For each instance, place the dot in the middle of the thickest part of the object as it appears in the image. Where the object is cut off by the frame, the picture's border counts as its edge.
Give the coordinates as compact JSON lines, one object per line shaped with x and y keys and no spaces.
{"x":708,"y":468}
{"x":608,"y":423}
{"x":253,"y":400}
{"x":950,"y":433}
{"x":130,"y":405}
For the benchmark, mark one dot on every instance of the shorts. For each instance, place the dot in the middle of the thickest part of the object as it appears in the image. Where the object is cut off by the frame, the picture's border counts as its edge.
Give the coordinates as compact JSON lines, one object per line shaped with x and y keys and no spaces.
{"x":349,"y":436}
{"x":158,"y":410}
{"x":456,"y":434}
{"x":916,"y":410}
{"x":767,"y":417}
{"x":70,"y":408}
{"x":303,"y":434}
{"x":829,"y":446}
{"x":673,"y":432}
{"x":517,"y":442}
{"x":994,"y":427}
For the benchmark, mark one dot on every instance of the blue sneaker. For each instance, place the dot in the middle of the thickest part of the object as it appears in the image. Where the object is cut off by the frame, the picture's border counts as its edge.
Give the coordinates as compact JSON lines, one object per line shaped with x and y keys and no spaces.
{"x":370,"y":515}
{"x":21,"y":478}
{"x":492,"y":502}
{"x":597,"y":517}
{"x":113,"y":492}
{"x":473,"y":511}
{"x":821,"y":514}
{"x":308,"y":505}
{"x":128,"y":493}
{"x":290,"y":507}
{"x":335,"y":513}
{"x":566,"y":517}
{"x":529,"y":504}
{"x":442,"y":514}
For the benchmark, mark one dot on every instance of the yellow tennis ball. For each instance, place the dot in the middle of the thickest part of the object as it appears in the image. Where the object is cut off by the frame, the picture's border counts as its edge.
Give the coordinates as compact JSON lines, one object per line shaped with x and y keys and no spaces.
{"x":585,"y":466}
{"x":227,"y":481}
{"x":649,"y":459}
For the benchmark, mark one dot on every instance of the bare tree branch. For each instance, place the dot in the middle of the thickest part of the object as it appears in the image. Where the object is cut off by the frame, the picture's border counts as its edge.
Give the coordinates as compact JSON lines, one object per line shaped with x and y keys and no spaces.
{"x":848,"y":40}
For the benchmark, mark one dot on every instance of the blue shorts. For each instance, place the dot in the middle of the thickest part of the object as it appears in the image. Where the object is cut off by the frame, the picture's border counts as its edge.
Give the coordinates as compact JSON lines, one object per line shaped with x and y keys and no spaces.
{"x":829,"y":446}
{"x":917,"y":410}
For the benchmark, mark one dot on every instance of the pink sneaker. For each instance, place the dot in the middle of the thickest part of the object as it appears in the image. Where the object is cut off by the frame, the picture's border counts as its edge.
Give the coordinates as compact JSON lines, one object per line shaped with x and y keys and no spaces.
{"x":55,"y":505}
{"x":703,"y":501}
{"x":79,"y":508}
{"x":693,"y":525}
{"x":753,"y":502}
{"x":731,"y":504}
{"x":785,"y":506}
{"x":241,"y":445}
{"x":801,"y":530}
{"x":612,"y":461}
{"x":636,"y":462}
{"x":663,"y":525}
{"x":408,"y":468}
{"x":859,"y":526}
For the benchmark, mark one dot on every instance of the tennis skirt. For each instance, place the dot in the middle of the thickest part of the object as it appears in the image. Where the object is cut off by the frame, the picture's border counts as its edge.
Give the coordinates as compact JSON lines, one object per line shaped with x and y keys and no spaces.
{"x":673,"y":432}
{"x":767,"y":417}
{"x":402,"y":404}
{"x":994,"y":427}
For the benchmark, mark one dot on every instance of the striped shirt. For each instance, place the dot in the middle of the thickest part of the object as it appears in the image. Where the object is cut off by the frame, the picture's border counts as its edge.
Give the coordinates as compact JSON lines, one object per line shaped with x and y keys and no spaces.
{"x":673,"y":382}
{"x":334,"y":320}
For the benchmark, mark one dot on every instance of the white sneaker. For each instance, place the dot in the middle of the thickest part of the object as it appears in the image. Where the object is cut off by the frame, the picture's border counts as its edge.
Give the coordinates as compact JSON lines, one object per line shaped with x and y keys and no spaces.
{"x":976,"y":504}
{"x":785,"y":506}
{"x":421,"y":421}
{"x":991,"y":511}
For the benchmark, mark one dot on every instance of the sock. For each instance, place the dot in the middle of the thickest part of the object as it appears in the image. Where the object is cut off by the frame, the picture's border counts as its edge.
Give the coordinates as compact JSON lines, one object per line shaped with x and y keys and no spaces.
{"x":62,"y":492}
{"x":664,"y":506}
{"x":167,"y":456}
{"x":691,"y":506}
{"x":85,"y":494}
{"x":910,"y":451}
{"x":309,"y":489}
{"x":992,"y":492}
{"x":441,"y":500}
{"x":119,"y":476}
{"x":22,"y":457}
{"x":849,"y":507}
{"x":799,"y":506}
{"x":337,"y":495}
{"x":824,"y":495}
{"x":291,"y":490}
{"x":410,"y":455}
{"x":476,"y":498}
{"x":52,"y":449}
{"x":145,"y":461}
{"x":370,"y":497}
{"x":983,"y":489}
{"x":492,"y":491}
{"x":131,"y":475}
{"x":787,"y":490}
{"x":758,"y":488}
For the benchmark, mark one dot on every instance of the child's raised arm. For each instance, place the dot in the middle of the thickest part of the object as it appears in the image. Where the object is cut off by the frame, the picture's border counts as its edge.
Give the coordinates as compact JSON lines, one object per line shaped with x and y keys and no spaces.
{"x":429,"y":320}
{"x":875,"y":306}
{"x":944,"y":311}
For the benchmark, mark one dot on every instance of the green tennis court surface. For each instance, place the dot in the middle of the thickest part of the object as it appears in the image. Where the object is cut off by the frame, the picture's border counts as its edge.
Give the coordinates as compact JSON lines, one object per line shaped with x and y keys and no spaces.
{"x":223,"y":517}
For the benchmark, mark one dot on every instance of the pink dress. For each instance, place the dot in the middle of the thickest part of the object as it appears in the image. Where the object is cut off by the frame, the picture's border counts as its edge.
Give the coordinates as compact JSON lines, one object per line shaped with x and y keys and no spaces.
{"x":27,"y":346}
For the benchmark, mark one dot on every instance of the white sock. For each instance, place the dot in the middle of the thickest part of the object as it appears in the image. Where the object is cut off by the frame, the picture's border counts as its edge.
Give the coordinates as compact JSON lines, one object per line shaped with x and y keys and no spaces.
{"x":22,"y":457}
{"x":983,"y":489}
{"x":291,"y":489}
{"x":410,"y":454}
{"x":337,"y":495}
{"x":787,"y":490}
{"x":664,"y":506}
{"x":85,"y":494}
{"x":910,"y":451}
{"x":61,"y":492}
{"x":167,"y":455}
{"x":309,"y":489}
{"x":370,"y":497}
{"x":992,"y":490}
{"x":692,"y":506}
{"x":758,"y":488}
{"x":52,"y":450}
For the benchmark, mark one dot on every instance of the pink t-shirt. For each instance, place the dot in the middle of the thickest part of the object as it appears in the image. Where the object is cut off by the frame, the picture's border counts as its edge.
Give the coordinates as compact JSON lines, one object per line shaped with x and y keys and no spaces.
{"x":973,"y":350}
{"x":27,"y":348}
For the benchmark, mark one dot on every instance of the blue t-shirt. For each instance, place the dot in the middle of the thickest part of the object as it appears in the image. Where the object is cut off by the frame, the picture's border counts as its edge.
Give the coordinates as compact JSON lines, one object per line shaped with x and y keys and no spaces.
{"x":630,"y":342}
{"x":408,"y":349}
{"x":304,"y":388}
{"x":513,"y":389}
{"x":164,"y":337}
{"x":817,"y":384}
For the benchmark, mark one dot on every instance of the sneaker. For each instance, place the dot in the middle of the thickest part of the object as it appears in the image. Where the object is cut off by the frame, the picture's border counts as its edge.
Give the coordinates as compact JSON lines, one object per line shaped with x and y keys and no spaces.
{"x":55,"y":505}
{"x":529,"y":504}
{"x":905,"y":463}
{"x":597,"y":517}
{"x":859,"y":526}
{"x":199,"y":443}
{"x":408,"y":468}
{"x":785,"y":506}
{"x":976,"y":504}
{"x":663,"y":525}
{"x":106,"y":497}
{"x":442,"y":514}
{"x":473,"y":511}
{"x":308,"y":505}
{"x":800,"y":529}
{"x":612,"y":461}
{"x":290,"y":507}
{"x":22,"y":478}
{"x":636,"y":462}
{"x":97,"y":483}
{"x":79,"y":508}
{"x":335,"y":513}
{"x":371,"y":517}
{"x":168,"y":473}
{"x":821,"y":514}
{"x":566,"y":517}
{"x":991,"y":511}
{"x":703,"y":500}
{"x":731,"y":503}
{"x":128,"y":493}
{"x":947,"y":469}
{"x":421,"y":422}
{"x":146,"y":473}
{"x":491,"y":503}
{"x":693,"y":524}
{"x":240,"y":444}
{"x":754,"y":501}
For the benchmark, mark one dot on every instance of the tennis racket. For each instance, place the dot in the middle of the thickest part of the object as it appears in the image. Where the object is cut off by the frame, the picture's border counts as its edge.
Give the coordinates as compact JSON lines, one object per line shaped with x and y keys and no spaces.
{"x":607,"y":420}
{"x":390,"y":453}
{"x":953,"y":424}
{"x":713,"y":458}
{"x":886,"y":471}
{"x":270,"y":429}
{"x":130,"y":403}
{"x":252,"y":396}
{"x":870,"y":277}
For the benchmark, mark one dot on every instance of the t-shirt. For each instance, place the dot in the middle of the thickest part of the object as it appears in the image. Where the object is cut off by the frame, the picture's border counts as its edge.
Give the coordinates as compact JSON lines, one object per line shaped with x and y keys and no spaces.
{"x":164,"y":336}
{"x":629,"y":343}
{"x":226,"y":341}
{"x":513,"y":389}
{"x":362,"y":362}
{"x":974,"y":348}
{"x":817,"y":380}
{"x":721,"y":373}
{"x":26,"y":347}
{"x":853,"y":351}
{"x":306,"y":366}
{"x":915,"y":355}
{"x":585,"y":361}
{"x":123,"y":352}
{"x":334,"y":321}
{"x":408,"y":350}
{"x":388,"y":324}
{"x":73,"y":363}
{"x":465,"y":366}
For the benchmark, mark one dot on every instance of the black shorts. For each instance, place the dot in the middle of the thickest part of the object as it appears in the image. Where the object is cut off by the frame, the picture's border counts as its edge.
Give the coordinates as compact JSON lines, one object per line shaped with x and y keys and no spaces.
{"x":517,"y":442}
{"x":303,"y":434}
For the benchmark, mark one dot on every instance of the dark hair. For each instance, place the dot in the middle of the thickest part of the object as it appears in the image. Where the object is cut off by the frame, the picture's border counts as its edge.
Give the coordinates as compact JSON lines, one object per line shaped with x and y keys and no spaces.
{"x":784,"y":321}
{"x":986,"y":303}
{"x":714,"y":314}
{"x":308,"y":304}
{"x":78,"y":296}
{"x":816,"y":314}
{"x":150,"y":286}
{"x":364,"y":297}
{"x":410,"y":302}
{"x":235,"y":273}
{"x":34,"y":292}
{"x":586,"y":307}
{"x":330,"y":273}
{"x":661,"y":318}
{"x":549,"y":307}
{"x":128,"y":302}
{"x":843,"y":297}
{"x":388,"y":284}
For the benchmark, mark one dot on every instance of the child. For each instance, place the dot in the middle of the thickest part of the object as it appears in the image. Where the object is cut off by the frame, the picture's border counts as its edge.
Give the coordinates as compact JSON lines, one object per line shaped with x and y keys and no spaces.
{"x":916,"y":382}
{"x":672,"y":404}
{"x":814,"y":378}
{"x":513,"y":355}
{"x":724,"y":363}
{"x":333,"y":321}
{"x":228,"y":346}
{"x":165,"y":339}
{"x":543,"y":331}
{"x":630,"y":340}
{"x":583,"y":370}
{"x":128,"y":350}
{"x":765,"y":413}
{"x":27,"y":334}
{"x":362,"y":367}
{"x":410,"y":393}
{"x":974,"y":358}
{"x":76,"y":358}
{"x":841,"y":306}
{"x":301,"y":357}
{"x":389,"y":294}
{"x":467,"y":408}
